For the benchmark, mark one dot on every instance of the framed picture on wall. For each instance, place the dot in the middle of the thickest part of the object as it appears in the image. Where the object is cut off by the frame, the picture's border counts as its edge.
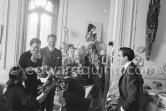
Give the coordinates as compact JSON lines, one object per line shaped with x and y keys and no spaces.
{"x":93,"y":31}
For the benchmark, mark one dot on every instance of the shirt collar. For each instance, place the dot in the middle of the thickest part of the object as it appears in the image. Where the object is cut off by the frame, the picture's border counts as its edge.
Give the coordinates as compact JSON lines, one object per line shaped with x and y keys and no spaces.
{"x":127,"y":64}
{"x":23,"y":83}
{"x":50,"y":48}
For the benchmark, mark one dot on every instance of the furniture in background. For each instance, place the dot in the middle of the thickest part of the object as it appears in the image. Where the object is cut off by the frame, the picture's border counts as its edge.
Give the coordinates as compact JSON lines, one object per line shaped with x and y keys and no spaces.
{"x":154,"y":98}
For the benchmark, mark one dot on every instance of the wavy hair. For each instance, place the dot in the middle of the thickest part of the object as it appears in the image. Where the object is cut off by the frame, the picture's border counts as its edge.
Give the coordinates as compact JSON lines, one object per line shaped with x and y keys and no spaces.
{"x":81,"y":54}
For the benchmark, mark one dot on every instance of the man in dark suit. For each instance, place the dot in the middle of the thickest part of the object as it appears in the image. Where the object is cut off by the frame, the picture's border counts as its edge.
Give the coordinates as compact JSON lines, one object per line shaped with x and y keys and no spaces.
{"x":130,"y":83}
{"x":52,"y":57}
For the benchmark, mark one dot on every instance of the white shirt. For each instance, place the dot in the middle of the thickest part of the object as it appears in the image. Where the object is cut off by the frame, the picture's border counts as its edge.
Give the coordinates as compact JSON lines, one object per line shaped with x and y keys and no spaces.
{"x":51,"y":49}
{"x":121,"y":109}
{"x":126,"y":65}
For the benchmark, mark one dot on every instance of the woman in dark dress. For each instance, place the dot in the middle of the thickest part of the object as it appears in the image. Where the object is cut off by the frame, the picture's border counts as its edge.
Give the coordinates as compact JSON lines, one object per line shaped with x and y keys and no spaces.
{"x":75,"y":92}
{"x":32,"y":58}
{"x":16,"y":97}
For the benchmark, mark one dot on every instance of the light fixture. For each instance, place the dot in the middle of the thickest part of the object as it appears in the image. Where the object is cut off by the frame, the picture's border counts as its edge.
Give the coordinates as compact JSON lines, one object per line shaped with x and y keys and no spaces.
{"x":40,"y":3}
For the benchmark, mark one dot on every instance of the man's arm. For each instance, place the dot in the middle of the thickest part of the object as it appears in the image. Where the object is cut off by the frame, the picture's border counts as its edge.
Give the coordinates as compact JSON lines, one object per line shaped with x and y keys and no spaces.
{"x":132,"y":91}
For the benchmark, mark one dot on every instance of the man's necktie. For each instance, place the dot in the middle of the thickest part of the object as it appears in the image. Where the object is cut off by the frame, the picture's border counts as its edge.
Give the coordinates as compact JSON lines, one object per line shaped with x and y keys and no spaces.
{"x":51,"y":58}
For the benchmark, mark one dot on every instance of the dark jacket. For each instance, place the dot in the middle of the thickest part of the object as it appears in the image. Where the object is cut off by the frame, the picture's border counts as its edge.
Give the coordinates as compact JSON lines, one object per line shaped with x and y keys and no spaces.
{"x":130,"y":89}
{"x":75,"y":92}
{"x":52,"y":59}
{"x":16,"y":98}
{"x":31,"y":82}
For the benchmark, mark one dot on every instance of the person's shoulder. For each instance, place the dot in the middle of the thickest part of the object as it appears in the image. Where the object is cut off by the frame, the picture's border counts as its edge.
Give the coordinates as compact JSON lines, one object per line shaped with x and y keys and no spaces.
{"x":57,"y":50}
{"x":132,"y":69}
{"x":21,"y":90}
{"x":132,"y":64}
{"x":25,"y":53}
{"x":17,"y":87}
{"x":44,"y":48}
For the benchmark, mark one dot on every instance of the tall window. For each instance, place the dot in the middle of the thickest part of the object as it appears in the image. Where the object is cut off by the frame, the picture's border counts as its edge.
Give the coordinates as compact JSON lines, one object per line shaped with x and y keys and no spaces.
{"x":42,"y":20}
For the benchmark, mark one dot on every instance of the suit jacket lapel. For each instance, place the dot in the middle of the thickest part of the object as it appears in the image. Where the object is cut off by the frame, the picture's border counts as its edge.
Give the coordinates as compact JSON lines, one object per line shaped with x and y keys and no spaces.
{"x":47,"y":51}
{"x":120,"y":86}
{"x":54,"y":55}
{"x":120,"y":80}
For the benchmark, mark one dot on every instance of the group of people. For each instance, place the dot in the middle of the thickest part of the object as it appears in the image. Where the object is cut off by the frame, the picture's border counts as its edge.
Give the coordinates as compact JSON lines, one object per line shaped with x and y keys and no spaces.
{"x":22,"y":92}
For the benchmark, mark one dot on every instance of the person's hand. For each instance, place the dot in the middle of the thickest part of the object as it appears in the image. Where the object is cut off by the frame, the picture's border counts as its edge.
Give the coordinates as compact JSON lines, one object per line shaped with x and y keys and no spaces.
{"x":121,"y":109}
{"x":74,"y":74}
{"x":39,"y":70}
{"x":62,"y":86}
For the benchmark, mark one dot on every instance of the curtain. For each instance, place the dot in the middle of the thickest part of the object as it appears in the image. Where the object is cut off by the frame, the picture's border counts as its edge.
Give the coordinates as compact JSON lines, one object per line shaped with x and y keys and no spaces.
{"x":62,"y":22}
{"x":20,"y":29}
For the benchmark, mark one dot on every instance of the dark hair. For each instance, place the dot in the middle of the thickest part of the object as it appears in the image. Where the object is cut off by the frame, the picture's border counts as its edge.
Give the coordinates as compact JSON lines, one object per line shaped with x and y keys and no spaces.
{"x":52,"y":35}
{"x":71,"y":46}
{"x":127,"y":52}
{"x":90,"y":27}
{"x":35,"y":40}
{"x":15,"y":73}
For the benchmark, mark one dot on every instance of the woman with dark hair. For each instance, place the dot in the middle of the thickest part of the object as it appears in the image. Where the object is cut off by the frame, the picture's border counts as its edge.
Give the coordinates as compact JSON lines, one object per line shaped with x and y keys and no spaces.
{"x":91,"y":33}
{"x":32,"y":58}
{"x":16,"y":96}
{"x":90,"y":27}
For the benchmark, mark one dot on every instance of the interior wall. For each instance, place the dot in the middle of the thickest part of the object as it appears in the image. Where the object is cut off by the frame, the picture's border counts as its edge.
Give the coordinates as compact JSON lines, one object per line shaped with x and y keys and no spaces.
{"x":130,"y":31}
{"x":82,"y":11}
{"x":4,"y":9}
{"x":11,"y":35}
{"x":133,"y":34}
{"x":158,"y":58}
{"x":10,"y":41}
